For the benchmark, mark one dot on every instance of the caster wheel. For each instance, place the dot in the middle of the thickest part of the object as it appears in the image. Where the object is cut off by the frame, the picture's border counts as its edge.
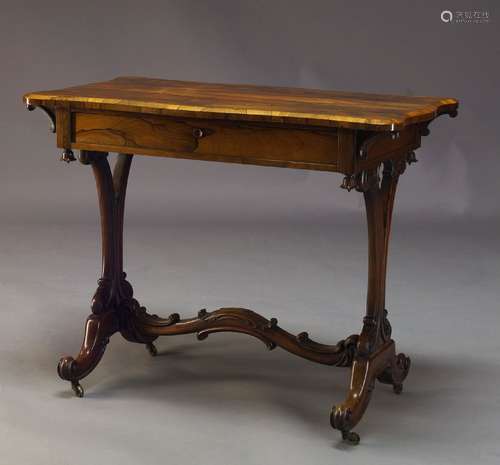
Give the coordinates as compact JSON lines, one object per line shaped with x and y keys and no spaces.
{"x":77,"y":388}
{"x":152,"y":349}
{"x":351,"y":437}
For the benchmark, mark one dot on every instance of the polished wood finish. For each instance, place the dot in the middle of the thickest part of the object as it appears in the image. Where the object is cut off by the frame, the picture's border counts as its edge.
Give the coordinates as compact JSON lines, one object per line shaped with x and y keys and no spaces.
{"x":375,"y":355}
{"x":370,"y":139}
{"x":284,"y":127}
{"x":206,"y":140}
{"x":250,"y":103}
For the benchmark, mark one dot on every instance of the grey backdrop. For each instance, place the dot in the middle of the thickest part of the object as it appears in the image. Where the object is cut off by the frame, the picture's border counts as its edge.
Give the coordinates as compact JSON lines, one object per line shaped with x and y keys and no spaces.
{"x":287,"y":243}
{"x":392,"y":47}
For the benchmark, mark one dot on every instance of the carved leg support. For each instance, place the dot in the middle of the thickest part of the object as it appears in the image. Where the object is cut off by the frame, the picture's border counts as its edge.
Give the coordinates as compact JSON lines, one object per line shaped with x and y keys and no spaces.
{"x":98,"y":330}
{"x":375,"y":356}
{"x":241,"y":320}
{"x":371,"y":354}
{"x":113,"y":292}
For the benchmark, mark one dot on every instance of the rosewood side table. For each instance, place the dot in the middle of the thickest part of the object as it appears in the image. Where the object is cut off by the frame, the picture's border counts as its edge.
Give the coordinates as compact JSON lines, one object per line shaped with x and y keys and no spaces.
{"x":367,"y":138}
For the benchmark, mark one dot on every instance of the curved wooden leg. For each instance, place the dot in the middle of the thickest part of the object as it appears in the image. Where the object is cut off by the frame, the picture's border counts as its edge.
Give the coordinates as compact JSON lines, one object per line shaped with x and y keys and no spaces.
{"x":103,"y":322}
{"x":98,"y":330}
{"x":363,"y":374}
{"x":113,"y":289}
{"x":371,"y":354}
{"x":375,"y":356}
{"x":125,"y":291}
{"x":396,"y":372}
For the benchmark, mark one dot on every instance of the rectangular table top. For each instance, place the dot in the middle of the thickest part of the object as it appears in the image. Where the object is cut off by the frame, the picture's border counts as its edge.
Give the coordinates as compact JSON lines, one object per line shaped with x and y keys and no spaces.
{"x":250,"y":103}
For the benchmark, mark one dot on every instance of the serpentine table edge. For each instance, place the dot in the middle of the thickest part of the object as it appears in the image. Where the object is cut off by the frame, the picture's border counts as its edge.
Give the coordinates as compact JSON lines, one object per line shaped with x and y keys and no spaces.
{"x":368,"y":138}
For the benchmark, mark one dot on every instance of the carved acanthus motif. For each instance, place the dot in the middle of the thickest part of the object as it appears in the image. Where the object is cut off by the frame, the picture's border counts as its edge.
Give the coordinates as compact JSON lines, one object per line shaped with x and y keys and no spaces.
{"x":133,"y":316}
{"x":241,"y":320}
{"x":101,"y":301}
{"x":347,"y":347}
{"x":116,"y":310}
{"x":396,"y":372}
{"x":340,"y":418}
{"x":395,"y":168}
{"x":385,"y":328}
{"x":369,"y":336}
{"x":362,"y":181}
{"x":368,"y":179}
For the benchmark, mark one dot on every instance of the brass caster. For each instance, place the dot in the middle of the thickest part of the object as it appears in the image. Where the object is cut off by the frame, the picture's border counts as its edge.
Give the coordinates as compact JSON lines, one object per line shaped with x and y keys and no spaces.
{"x":152,"y":349}
{"x":397,"y":388}
{"x":77,"y":388}
{"x":351,"y":437}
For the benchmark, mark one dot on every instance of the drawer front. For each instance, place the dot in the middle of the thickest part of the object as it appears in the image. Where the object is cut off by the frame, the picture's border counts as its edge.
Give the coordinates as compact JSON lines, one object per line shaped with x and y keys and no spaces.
{"x":206,"y":140}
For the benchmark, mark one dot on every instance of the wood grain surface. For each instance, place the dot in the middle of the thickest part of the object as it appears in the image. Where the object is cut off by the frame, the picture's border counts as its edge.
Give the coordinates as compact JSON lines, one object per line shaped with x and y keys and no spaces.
{"x":249,"y":103}
{"x":209,"y":140}
{"x":369,"y":138}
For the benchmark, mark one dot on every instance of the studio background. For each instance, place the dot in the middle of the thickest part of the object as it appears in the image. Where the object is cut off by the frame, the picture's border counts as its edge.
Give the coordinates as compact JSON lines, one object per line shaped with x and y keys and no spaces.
{"x":283,"y":242}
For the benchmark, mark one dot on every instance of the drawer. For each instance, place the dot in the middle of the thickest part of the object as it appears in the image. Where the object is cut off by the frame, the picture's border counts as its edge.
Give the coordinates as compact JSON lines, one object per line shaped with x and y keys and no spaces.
{"x":206,"y":140}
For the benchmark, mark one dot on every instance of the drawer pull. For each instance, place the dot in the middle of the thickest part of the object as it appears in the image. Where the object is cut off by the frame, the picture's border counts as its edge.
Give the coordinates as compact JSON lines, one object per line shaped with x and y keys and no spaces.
{"x":199,"y":133}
